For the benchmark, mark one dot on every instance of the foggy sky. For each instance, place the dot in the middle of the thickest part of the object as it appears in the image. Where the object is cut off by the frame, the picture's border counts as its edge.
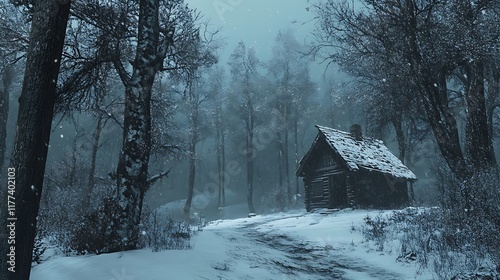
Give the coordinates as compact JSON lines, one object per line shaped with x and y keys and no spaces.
{"x":257,"y":22}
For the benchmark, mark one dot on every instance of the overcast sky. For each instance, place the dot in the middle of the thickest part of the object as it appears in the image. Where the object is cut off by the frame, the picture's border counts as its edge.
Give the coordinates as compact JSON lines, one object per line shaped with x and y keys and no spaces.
{"x":256,"y":22}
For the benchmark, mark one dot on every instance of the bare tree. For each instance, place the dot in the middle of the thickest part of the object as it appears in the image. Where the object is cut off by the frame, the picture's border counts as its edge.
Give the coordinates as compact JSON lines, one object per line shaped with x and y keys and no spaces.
{"x":216,"y":90}
{"x":160,"y":34}
{"x":132,"y":170}
{"x":428,"y":42}
{"x":293,"y":84}
{"x":244,"y":72}
{"x":96,"y":136}
{"x":194,"y":100}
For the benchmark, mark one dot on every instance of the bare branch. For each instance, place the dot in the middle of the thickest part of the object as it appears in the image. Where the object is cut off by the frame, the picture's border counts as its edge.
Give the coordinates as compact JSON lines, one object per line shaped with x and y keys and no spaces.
{"x":157,"y":177}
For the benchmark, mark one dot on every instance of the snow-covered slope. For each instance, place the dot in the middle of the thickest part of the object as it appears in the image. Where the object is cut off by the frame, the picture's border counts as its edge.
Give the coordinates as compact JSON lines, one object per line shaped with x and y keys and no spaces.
{"x":294,"y":245}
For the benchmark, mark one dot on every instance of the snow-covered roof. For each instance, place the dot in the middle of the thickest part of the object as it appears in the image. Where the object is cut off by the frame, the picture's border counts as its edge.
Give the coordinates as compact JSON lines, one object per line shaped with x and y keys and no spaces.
{"x":367,"y":153}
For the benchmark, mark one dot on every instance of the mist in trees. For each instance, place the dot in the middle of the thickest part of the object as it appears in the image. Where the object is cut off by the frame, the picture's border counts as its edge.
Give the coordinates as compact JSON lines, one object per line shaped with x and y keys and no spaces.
{"x":153,"y":107}
{"x":292,"y":86}
{"x":244,"y":74}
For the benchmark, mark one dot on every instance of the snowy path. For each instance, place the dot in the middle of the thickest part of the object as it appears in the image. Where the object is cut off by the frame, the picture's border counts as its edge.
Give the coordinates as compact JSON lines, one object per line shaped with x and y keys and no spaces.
{"x":280,"y":246}
{"x":260,"y":245}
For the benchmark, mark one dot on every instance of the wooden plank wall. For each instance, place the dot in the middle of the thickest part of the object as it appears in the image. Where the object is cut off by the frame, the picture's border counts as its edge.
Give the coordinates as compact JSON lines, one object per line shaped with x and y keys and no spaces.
{"x":323,"y":177}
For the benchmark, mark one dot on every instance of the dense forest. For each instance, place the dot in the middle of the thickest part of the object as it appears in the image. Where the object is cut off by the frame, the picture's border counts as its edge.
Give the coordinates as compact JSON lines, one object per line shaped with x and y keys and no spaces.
{"x":110,"y":109}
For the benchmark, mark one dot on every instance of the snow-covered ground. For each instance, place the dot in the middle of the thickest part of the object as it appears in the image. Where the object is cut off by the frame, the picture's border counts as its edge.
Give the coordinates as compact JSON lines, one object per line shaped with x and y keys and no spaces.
{"x":293,"y":245}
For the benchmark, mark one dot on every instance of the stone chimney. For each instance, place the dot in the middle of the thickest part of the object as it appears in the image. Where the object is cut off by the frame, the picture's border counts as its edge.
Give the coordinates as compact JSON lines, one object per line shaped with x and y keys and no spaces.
{"x":356,"y":132}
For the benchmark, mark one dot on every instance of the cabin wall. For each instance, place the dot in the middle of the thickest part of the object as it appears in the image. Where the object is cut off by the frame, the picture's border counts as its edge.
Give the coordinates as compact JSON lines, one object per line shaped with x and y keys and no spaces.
{"x":327,"y":188}
{"x":317,"y":193}
{"x":321,"y":177}
{"x":377,"y":190}
{"x":338,"y":188}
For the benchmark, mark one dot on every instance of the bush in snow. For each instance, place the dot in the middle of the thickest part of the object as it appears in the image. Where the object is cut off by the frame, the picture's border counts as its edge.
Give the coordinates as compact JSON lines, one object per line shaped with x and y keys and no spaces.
{"x":439,"y":243}
{"x":374,"y":229}
{"x":63,"y":207}
{"x":163,"y":233}
{"x":39,"y":247}
{"x":470,"y":223}
{"x":277,"y":200}
{"x":459,"y":239}
{"x":96,"y":233}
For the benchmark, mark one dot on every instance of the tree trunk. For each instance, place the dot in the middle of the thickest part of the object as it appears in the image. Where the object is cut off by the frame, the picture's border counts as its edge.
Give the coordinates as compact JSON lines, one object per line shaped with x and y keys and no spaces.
{"x":193,"y":139}
{"x":443,"y":124}
{"x":432,"y":83}
{"x":286,"y":158}
{"x":223,"y":171}
{"x":73,"y":168}
{"x":4,"y":112}
{"x":280,"y":195}
{"x":296,"y":145}
{"x":220,"y":152}
{"x":434,"y":96}
{"x":400,"y":136}
{"x":132,"y":169}
{"x":249,"y":152}
{"x":95,"y":147}
{"x":286,"y":115}
{"x":478,"y":143}
{"x":192,"y":173}
{"x":36,"y":106}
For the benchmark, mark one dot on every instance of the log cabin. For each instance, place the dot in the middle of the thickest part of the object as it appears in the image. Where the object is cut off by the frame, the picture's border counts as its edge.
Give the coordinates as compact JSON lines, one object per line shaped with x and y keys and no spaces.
{"x":344,"y":169}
